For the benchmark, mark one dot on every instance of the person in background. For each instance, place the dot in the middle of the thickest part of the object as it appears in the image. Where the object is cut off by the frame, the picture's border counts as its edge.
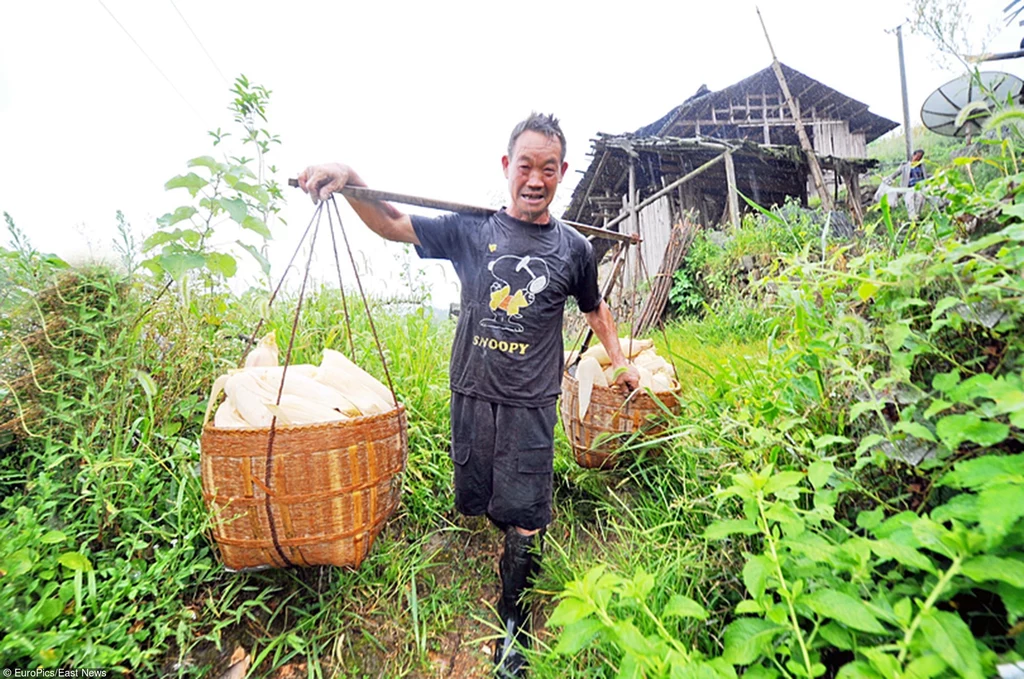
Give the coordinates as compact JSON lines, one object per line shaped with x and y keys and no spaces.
{"x":915,"y":172}
{"x":909,"y":173}
{"x":516,"y":267}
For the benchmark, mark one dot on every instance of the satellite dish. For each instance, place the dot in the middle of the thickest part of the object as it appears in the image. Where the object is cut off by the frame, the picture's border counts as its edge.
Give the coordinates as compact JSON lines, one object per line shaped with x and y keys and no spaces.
{"x":975,"y":95}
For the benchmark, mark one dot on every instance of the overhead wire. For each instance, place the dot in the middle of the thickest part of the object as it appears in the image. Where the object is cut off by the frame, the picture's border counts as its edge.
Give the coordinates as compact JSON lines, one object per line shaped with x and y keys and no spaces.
{"x":154,"y":64}
{"x":201,"y":45}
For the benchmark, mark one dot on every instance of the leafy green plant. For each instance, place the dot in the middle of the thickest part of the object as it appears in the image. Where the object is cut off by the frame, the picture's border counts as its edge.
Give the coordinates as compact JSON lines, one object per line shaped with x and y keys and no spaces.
{"x":124,"y":245}
{"x":24,"y":266}
{"x":818,"y":584}
{"x":684,"y":296}
{"x":817,"y":587}
{"x":228,"y":189}
{"x":602,"y":605}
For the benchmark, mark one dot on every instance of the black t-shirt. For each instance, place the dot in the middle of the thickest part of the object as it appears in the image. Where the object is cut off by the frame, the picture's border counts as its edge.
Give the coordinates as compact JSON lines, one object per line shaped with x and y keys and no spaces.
{"x":515,"y":279}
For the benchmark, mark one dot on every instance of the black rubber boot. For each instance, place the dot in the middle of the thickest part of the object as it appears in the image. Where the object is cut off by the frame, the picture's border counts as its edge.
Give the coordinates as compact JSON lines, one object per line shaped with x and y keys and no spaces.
{"x":519,"y":564}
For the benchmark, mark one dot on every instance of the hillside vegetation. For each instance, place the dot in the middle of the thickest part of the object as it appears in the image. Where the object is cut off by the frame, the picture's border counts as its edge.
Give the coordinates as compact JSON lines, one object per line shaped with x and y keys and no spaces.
{"x":890,"y":150}
{"x":842,"y":494}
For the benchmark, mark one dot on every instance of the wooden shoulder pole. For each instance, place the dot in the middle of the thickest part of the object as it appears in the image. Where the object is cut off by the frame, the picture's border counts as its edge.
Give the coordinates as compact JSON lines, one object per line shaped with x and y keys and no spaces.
{"x":805,"y":142}
{"x":363,"y":193}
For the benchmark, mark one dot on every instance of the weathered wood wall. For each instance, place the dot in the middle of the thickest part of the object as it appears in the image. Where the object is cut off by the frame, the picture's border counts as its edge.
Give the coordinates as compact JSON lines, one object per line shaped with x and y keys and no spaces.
{"x":833,"y":138}
{"x":655,"y":228}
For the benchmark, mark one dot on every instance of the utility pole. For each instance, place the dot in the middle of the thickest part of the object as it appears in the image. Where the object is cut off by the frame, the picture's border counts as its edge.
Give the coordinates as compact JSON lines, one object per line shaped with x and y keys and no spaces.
{"x":907,"y":133}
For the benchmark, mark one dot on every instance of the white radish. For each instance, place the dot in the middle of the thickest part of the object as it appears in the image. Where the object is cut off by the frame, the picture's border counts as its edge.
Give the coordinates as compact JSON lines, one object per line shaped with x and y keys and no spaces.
{"x":301,"y":385}
{"x":660,"y":383}
{"x":646,"y":378}
{"x":218,"y":386}
{"x":273,"y":373}
{"x":335,"y":360}
{"x":248,"y":397}
{"x":263,"y":354}
{"x":228,"y":418}
{"x":653,"y":362}
{"x":298,"y":410}
{"x":588,"y":373}
{"x":630,"y":348}
{"x":362,"y":396}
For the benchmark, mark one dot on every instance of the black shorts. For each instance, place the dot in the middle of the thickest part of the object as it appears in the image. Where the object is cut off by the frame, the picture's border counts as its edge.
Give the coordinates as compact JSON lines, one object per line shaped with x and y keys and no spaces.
{"x":503,"y":459}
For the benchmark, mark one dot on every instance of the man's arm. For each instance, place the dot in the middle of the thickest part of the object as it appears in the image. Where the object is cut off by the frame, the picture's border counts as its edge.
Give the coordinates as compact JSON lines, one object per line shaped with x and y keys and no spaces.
{"x":384,"y":219}
{"x":601,"y":321}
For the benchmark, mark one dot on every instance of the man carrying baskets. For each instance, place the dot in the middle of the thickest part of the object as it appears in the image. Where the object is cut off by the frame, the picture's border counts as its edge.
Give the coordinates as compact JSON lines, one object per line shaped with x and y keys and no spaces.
{"x":516,"y":267}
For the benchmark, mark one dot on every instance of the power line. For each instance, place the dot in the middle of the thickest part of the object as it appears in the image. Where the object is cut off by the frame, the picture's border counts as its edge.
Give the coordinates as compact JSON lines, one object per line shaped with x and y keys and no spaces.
{"x":159,"y":70}
{"x":203,"y":47}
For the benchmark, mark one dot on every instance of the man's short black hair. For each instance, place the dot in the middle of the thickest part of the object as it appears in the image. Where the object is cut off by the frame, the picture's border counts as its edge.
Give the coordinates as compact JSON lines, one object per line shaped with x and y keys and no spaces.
{"x":916,"y":151}
{"x":538,"y":122}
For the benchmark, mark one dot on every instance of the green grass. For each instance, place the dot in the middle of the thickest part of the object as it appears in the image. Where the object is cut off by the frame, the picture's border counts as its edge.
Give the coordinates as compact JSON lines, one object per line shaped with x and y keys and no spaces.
{"x":696,"y":355}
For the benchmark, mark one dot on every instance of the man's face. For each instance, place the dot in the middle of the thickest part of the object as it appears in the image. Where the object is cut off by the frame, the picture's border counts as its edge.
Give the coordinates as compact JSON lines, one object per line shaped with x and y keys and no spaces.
{"x":533,"y":173}
{"x":917,"y":157}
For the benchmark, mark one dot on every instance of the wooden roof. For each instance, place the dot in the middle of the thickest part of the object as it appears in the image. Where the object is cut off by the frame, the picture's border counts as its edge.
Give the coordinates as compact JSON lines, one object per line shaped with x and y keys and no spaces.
{"x":810,"y":93}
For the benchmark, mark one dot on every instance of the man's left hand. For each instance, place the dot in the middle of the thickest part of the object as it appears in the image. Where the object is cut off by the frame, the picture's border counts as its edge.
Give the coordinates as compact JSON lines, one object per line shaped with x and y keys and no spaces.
{"x":628,"y":377}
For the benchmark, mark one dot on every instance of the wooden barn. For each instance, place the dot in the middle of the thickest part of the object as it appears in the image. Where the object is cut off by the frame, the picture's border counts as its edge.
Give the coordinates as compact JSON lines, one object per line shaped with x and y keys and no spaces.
{"x":702,"y":154}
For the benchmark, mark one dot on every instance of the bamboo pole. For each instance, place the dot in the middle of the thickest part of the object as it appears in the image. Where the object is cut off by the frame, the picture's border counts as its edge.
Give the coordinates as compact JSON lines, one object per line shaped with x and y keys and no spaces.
{"x":852,"y":180}
{"x":654,"y":306}
{"x":366,"y":194}
{"x":805,"y":142}
{"x":634,"y":224}
{"x":676,"y":144}
{"x":734,"y":198}
{"x":634,"y":221}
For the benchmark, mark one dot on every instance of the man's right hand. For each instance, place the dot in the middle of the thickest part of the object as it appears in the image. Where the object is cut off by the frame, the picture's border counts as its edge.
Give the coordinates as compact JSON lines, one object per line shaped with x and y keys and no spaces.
{"x":320,"y":181}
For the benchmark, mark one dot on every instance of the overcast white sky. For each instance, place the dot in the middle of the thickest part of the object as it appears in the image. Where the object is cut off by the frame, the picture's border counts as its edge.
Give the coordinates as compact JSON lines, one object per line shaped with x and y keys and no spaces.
{"x":418,"y":97}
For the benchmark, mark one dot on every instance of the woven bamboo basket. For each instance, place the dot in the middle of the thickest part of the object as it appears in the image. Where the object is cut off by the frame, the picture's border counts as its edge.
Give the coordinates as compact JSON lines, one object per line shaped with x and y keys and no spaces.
{"x":612,"y":414}
{"x":329,"y":490}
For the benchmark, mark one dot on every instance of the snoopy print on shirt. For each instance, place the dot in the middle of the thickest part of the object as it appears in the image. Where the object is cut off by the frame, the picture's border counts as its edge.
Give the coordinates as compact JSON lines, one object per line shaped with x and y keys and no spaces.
{"x":517,"y":282}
